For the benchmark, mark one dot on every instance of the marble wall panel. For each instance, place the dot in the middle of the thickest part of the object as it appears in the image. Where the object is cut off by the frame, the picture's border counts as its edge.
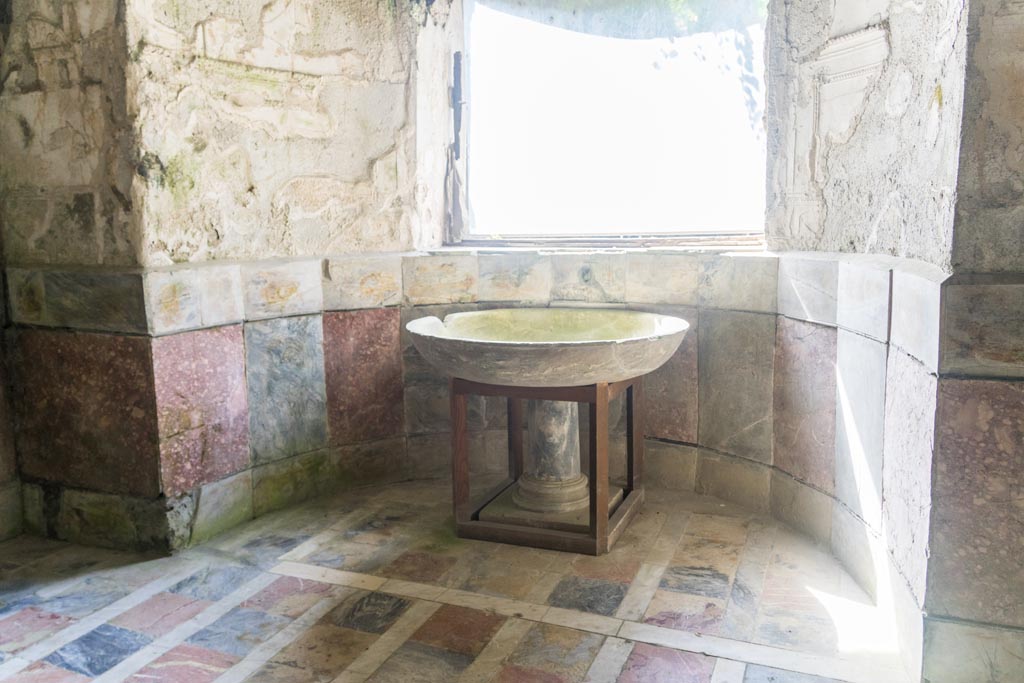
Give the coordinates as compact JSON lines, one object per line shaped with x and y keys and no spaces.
{"x":908,"y":444}
{"x":202,"y":407}
{"x":977,"y":516}
{"x":653,"y":278}
{"x":287,"y":393}
{"x":281,"y":483}
{"x":670,"y":466}
{"x":365,"y":281}
{"x":916,"y":311}
{"x":90,"y":300}
{"x":87,"y":411}
{"x":363,"y":369}
{"x":591,"y":278}
{"x":524,"y":278}
{"x":11,"y":510}
{"x":8,"y":454}
{"x":804,"y":402}
{"x":734,"y":479}
{"x":970,"y":653}
{"x":740,"y":282}
{"x":808,"y":287}
{"x":983,"y":329}
{"x":860,"y":421}
{"x":189,"y":298}
{"x":222,"y":505}
{"x":440,"y":278}
{"x":863,"y":296}
{"x":801,"y":507}
{"x":375,"y":462}
{"x":670,"y":392}
{"x":736,"y":352}
{"x":273,"y":289}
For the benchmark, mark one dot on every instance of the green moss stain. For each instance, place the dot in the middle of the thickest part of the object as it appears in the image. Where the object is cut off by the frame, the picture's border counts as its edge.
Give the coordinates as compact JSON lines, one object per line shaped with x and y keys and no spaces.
{"x":443,"y":538}
{"x":937,"y":98}
{"x":180,"y":177}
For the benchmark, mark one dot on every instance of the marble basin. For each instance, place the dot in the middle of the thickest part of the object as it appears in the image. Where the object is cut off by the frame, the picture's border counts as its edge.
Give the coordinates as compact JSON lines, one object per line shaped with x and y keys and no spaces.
{"x":548,"y":347}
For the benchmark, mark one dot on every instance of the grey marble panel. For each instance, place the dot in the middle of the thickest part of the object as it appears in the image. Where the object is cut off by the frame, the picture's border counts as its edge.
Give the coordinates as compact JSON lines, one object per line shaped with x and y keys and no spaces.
{"x":736,"y":369}
{"x":863,"y":296}
{"x":860,"y":418}
{"x":916,"y":303}
{"x":98,"y":301}
{"x":804,"y":508}
{"x":740,"y":282}
{"x":808,"y":287}
{"x":655,"y":278}
{"x":970,"y":653}
{"x":519,"y":277}
{"x":908,"y":448}
{"x":983,"y":329}
{"x":287,"y":392}
{"x":594,"y":278}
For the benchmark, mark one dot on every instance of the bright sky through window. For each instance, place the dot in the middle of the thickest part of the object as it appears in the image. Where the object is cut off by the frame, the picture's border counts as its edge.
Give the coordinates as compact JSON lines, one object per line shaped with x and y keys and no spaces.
{"x":572,"y":133}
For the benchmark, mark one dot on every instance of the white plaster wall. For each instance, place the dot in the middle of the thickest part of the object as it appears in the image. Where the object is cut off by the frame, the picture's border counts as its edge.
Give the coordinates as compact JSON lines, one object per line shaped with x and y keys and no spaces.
{"x":864,"y":118}
{"x":286,"y":128}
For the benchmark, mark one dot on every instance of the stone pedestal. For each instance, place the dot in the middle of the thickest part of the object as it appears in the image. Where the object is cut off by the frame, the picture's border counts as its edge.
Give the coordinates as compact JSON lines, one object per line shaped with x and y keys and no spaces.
{"x":551,"y":480}
{"x":551,"y":493}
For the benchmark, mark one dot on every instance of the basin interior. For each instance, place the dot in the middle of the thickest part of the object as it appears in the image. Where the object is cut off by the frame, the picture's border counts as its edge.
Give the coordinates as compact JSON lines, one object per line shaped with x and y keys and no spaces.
{"x":555,"y":325}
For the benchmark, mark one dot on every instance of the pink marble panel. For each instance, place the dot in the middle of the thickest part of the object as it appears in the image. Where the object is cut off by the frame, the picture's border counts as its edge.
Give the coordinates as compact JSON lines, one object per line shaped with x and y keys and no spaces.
{"x":202,"y":408}
{"x":977,"y":518}
{"x":363,"y":366}
{"x":805,"y":402}
{"x":670,"y":392}
{"x":87,"y":411}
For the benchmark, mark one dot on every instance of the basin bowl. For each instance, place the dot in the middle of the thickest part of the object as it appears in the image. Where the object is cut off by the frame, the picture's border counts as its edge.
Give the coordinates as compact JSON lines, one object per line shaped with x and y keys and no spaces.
{"x":548,"y":347}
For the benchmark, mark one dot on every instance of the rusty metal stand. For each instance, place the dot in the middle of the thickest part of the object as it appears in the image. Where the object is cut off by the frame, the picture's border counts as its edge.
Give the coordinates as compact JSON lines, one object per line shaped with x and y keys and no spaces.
{"x":605,"y":526}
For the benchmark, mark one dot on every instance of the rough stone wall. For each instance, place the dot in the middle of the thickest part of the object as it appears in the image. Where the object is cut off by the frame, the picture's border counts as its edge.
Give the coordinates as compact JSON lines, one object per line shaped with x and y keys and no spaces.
{"x":66,"y":169}
{"x":275,"y":129}
{"x":864,"y":120}
{"x":989,"y":234}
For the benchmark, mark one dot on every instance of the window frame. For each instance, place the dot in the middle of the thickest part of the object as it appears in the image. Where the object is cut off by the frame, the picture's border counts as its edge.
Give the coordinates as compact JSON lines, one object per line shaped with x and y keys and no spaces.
{"x":456,"y":233}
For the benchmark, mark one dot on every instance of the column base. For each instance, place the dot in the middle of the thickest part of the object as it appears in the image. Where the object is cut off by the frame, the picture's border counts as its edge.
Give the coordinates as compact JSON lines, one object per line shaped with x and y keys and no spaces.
{"x":544,"y":495}
{"x":506,"y":510}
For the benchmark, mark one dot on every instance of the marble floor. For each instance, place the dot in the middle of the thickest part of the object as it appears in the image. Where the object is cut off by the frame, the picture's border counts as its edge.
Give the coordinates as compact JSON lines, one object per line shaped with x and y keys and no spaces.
{"x":372,"y":585}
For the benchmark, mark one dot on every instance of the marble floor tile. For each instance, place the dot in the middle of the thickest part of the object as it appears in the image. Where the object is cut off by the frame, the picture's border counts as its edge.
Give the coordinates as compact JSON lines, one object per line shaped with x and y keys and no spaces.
{"x":86,"y":597}
{"x":185,"y":664}
{"x":416,"y":662}
{"x":588,"y":595}
{"x":697,"y":580}
{"x":239,"y":631}
{"x":513,"y":673}
{"x":368,"y":612}
{"x":160,"y":614}
{"x":373,"y":584}
{"x":42,"y":672}
{"x":27,"y":626}
{"x":459,"y":629}
{"x":98,"y":650}
{"x":685,"y":612}
{"x":424,"y":567}
{"x":289,"y":596}
{"x":556,"y":650}
{"x":652,"y":664}
{"x":763,"y":674}
{"x":324,"y":650}
{"x":213,"y":583}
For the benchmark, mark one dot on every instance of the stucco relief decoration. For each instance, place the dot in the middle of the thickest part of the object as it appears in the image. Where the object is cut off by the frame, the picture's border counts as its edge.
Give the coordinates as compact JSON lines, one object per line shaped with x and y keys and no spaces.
{"x":830,"y":94}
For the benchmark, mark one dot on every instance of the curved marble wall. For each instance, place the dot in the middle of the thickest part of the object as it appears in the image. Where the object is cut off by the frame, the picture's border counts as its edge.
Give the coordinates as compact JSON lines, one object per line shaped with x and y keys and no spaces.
{"x":808,"y":388}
